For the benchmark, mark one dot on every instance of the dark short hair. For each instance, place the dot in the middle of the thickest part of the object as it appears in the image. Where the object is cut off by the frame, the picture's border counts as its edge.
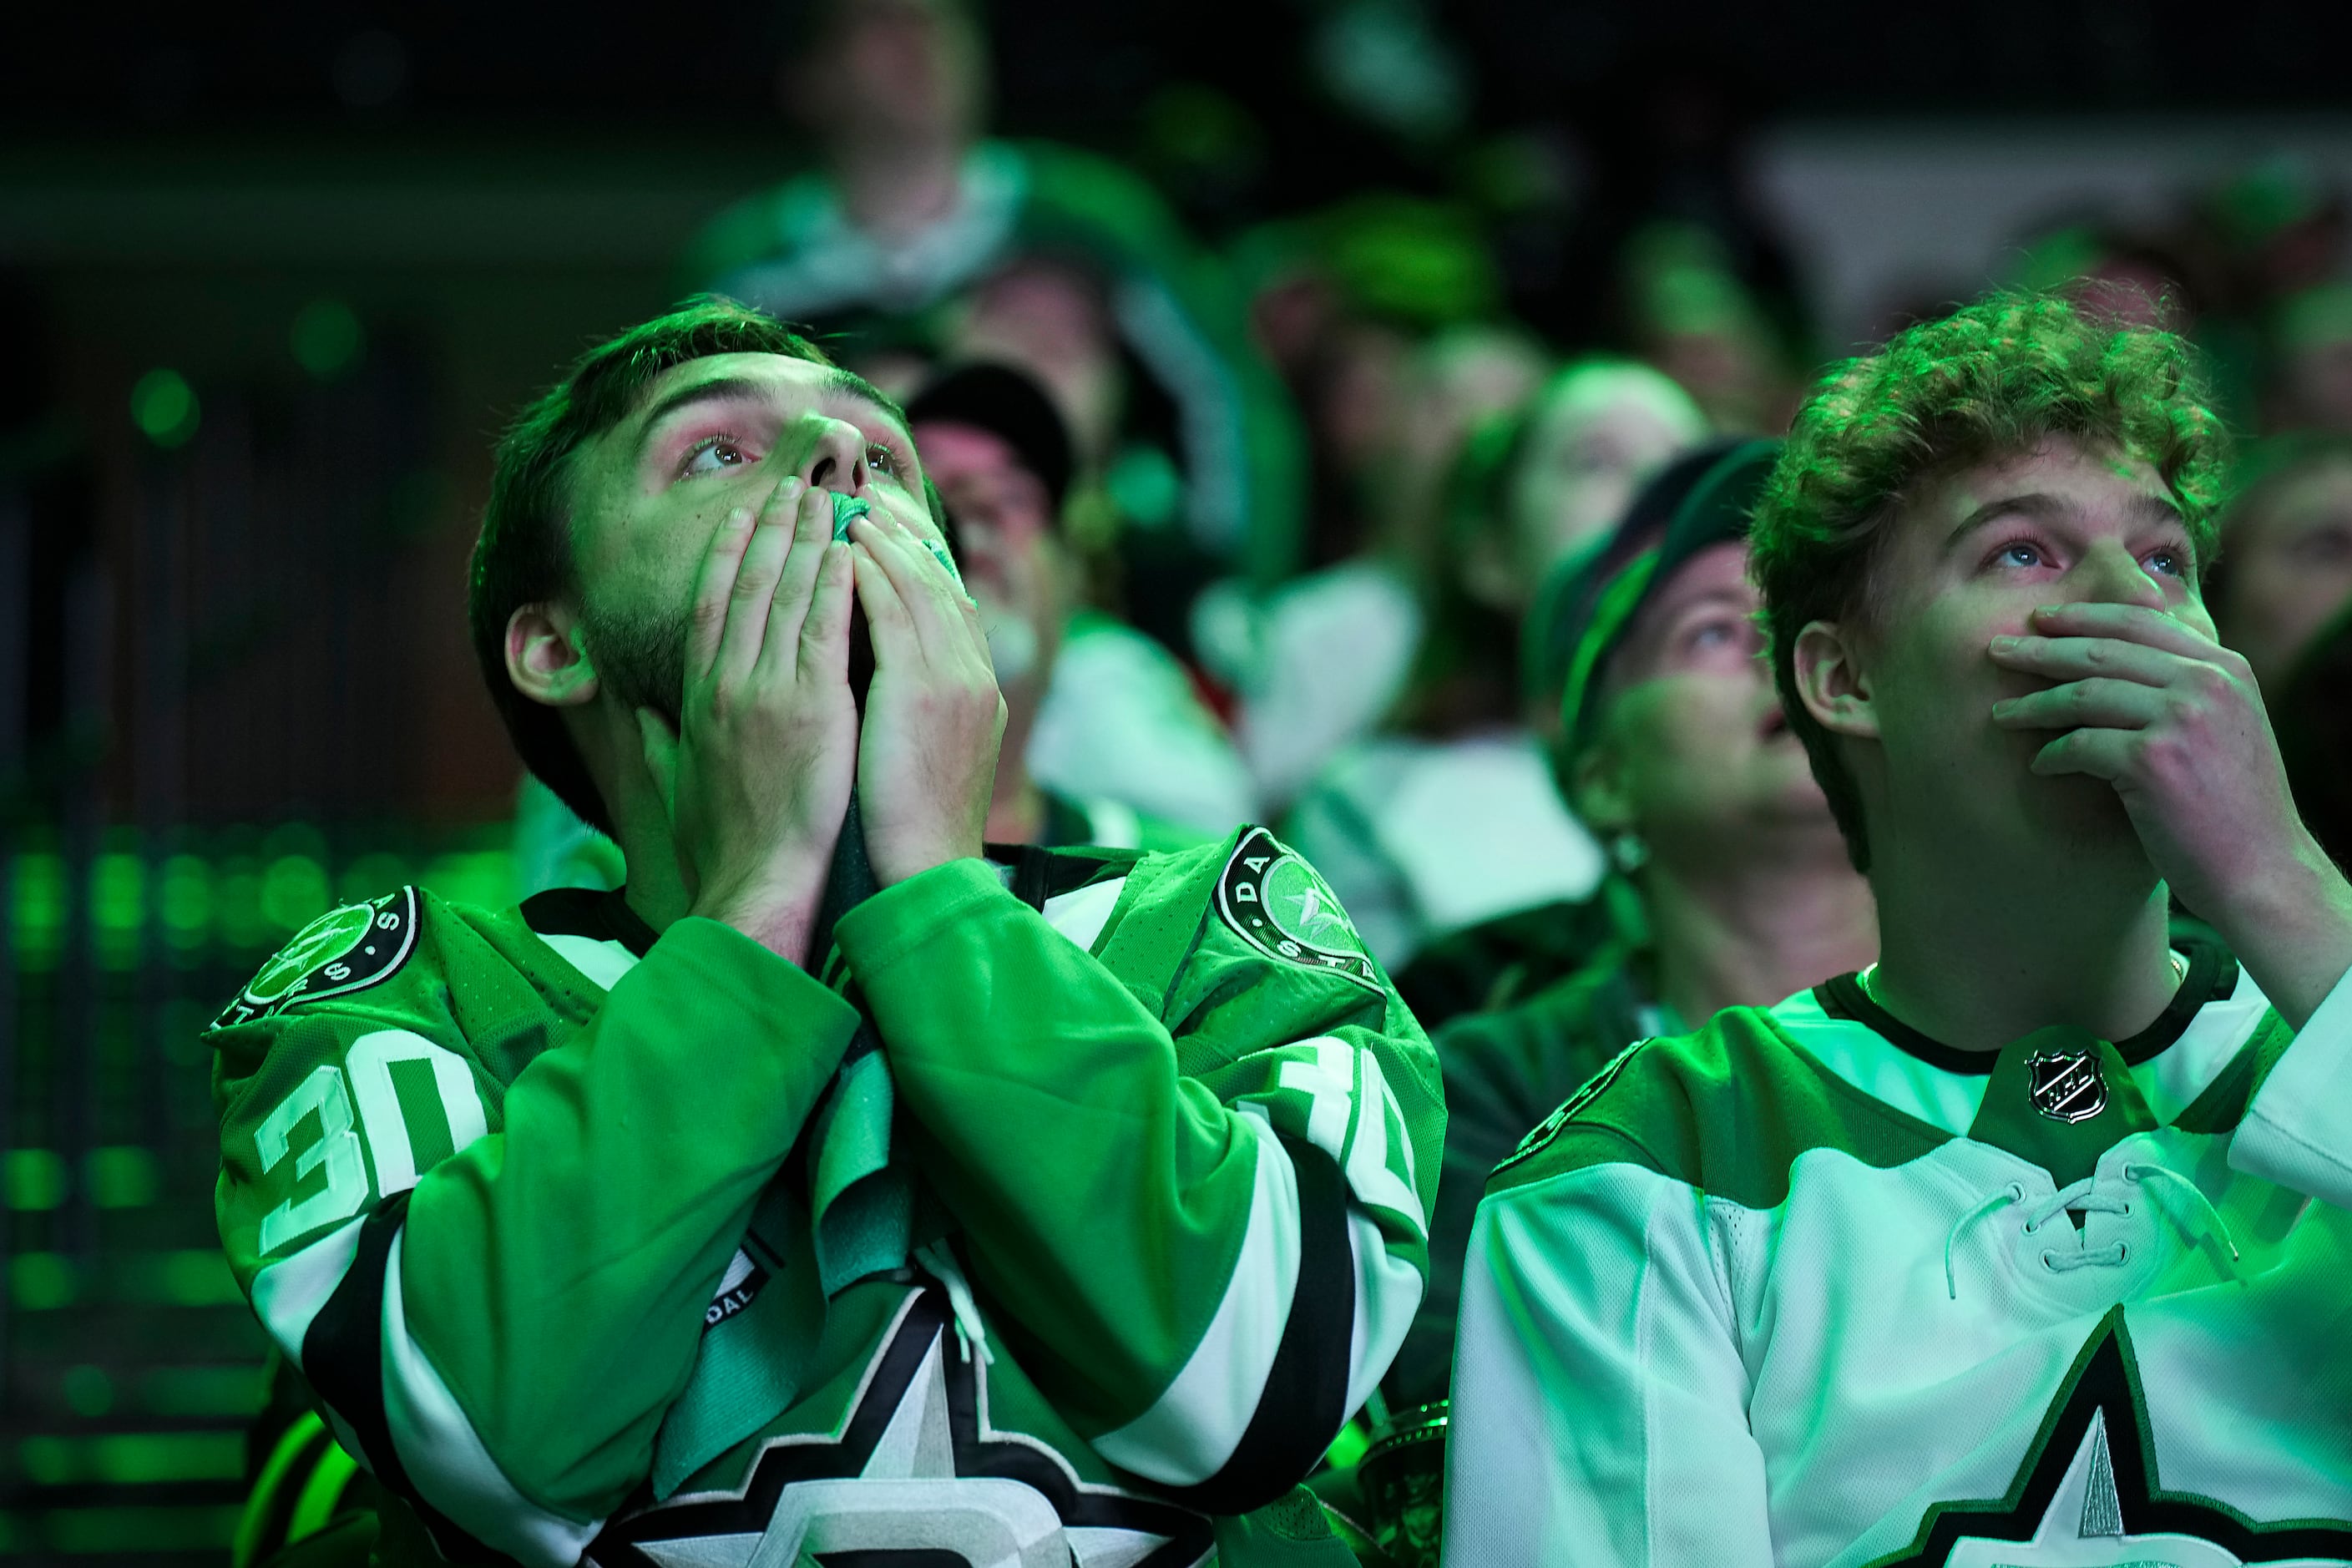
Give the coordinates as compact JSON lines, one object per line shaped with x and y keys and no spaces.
{"x":1989,"y":380}
{"x":523,"y":555}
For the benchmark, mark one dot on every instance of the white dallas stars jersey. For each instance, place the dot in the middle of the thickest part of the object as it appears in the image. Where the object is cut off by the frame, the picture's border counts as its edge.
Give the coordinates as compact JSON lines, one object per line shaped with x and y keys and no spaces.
{"x":1805,"y":1287}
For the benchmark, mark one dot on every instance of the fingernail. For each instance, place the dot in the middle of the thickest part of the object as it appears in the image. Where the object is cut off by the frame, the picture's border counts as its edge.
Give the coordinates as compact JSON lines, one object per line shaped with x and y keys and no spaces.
{"x":2004,"y":644}
{"x":740,"y":518}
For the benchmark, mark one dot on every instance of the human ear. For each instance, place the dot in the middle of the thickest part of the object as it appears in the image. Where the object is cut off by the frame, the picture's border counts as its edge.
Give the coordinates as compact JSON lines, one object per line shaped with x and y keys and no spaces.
{"x":1597,"y":789}
{"x":546,"y":659}
{"x":1832,"y":682}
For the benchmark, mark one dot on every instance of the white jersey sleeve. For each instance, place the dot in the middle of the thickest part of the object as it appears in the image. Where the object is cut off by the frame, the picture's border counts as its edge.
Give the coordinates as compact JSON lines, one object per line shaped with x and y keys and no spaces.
{"x":1599,"y":1400}
{"x":2297,"y":1129}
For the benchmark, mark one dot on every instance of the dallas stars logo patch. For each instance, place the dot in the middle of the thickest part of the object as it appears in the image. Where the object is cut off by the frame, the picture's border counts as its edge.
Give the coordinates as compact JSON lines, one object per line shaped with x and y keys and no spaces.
{"x":2066,"y":1085}
{"x":345,"y":949}
{"x":2088,"y":1495}
{"x":915,"y":1476}
{"x":1276,"y":903}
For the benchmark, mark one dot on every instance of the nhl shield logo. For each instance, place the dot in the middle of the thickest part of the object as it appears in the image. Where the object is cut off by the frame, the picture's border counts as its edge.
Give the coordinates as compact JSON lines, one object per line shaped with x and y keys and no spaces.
{"x":2066,"y":1085}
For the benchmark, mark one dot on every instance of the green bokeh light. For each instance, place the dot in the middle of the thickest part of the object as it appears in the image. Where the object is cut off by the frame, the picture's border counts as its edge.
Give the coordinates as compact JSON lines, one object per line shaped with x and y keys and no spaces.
{"x":40,"y":908}
{"x":186,"y":901}
{"x":326,"y":338}
{"x":123,"y":1176}
{"x":163,"y":405}
{"x":40,"y":1281}
{"x":88,"y":1390}
{"x":36,"y":1179}
{"x":294,"y":891}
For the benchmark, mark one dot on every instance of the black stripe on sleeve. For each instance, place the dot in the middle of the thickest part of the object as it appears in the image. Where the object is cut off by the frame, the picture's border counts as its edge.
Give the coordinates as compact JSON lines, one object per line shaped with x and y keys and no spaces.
{"x":1304,"y":1403}
{"x":342,"y":1358}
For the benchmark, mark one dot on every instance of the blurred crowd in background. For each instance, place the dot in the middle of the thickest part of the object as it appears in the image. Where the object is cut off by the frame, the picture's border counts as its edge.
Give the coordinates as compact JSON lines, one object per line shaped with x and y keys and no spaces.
{"x":1312,"y":477}
{"x":1279,"y":369}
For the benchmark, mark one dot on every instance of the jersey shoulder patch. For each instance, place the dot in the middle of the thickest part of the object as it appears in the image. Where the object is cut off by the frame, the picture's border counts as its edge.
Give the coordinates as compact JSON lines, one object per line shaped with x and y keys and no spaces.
{"x":1276,"y":903}
{"x":345,"y":950}
{"x":1593,"y":1088}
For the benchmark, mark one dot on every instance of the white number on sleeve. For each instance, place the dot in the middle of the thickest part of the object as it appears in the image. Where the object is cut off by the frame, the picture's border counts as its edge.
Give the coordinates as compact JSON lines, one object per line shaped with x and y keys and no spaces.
{"x":338,"y":1150}
{"x":369,"y":1060}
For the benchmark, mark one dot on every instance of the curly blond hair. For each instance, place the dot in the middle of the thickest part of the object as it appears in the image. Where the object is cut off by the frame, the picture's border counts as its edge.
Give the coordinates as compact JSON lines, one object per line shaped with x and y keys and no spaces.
{"x":1990,"y":380}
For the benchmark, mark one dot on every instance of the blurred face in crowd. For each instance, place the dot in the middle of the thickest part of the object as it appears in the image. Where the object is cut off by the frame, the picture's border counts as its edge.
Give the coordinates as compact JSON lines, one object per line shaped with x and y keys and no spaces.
{"x":1601,"y":432}
{"x":713,"y":434}
{"x":1969,"y":560}
{"x":1052,"y":322}
{"x":1011,"y":557}
{"x":2290,"y":567}
{"x":912,"y":71}
{"x":1450,"y":385}
{"x":1690,"y":751}
{"x":2312,"y":388}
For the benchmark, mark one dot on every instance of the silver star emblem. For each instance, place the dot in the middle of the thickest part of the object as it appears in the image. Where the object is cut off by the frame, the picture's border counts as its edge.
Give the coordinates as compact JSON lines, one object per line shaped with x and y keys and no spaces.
{"x":2084,"y":1527}
{"x":907,"y":1496}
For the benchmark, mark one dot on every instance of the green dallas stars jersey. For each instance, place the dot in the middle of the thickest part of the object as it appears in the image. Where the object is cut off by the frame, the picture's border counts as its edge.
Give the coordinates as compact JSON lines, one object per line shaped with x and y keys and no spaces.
{"x":525,"y":1196}
{"x":1805,"y":1287}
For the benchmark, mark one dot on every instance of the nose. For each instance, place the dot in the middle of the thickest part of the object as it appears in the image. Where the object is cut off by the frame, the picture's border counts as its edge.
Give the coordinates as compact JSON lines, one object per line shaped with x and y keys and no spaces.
{"x":835,"y":457}
{"x":2114,"y":575}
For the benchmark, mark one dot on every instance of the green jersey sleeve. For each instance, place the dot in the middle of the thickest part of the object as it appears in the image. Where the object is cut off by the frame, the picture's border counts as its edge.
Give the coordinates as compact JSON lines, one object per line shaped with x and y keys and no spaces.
{"x":481,"y":1206}
{"x":1190,"y":1135}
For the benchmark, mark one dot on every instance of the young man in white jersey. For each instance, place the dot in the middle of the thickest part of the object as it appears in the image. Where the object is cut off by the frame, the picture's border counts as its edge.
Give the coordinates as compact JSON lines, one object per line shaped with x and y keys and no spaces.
{"x":2025,"y":1245}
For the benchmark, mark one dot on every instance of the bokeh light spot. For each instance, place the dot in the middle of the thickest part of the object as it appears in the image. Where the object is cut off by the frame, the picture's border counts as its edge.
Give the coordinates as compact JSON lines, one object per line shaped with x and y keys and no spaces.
{"x":326,"y":338}
{"x":164,"y":406}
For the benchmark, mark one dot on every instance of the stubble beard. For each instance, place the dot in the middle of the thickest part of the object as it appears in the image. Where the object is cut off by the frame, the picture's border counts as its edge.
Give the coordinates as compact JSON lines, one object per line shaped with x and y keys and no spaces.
{"x":639,"y":656}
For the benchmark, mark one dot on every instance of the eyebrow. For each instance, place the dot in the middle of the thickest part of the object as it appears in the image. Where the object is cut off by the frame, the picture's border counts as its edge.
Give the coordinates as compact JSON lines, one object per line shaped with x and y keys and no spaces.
{"x":837,"y":383}
{"x":2047,"y":508}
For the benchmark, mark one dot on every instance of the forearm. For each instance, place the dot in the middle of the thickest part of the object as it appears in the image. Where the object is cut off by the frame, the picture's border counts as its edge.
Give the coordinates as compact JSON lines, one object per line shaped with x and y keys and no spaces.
{"x":2292,"y":927}
{"x":1208,"y":1271}
{"x":1051,"y":1118}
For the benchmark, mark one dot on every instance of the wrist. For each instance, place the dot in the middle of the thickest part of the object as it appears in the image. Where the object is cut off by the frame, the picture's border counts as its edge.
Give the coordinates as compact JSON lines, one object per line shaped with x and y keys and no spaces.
{"x":779,"y":921}
{"x":2291,"y":926}
{"x":906,"y":867}
{"x":2284,"y":891}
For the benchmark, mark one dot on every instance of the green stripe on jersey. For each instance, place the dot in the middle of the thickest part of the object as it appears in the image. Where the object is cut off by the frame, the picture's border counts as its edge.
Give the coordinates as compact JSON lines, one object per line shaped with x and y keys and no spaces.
{"x":1727,"y":1110}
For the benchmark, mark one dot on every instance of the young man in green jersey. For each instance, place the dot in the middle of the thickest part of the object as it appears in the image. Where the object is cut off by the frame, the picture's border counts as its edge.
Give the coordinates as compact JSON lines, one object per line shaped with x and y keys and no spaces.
{"x":2026,"y":1244}
{"x":1052,"y":1207}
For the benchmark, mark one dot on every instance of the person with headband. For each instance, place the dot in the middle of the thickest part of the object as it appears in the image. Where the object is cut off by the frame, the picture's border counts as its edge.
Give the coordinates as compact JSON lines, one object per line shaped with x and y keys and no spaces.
{"x":1674,"y":750}
{"x":2024,"y":1244}
{"x":840,"y":1187}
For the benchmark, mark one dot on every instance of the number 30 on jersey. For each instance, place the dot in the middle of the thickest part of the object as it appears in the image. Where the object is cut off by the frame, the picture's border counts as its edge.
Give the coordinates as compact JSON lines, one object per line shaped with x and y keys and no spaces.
{"x":416,"y":1106}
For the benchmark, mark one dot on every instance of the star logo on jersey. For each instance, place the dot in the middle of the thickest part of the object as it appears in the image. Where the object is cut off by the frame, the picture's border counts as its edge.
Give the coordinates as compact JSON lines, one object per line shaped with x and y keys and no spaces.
{"x":2066,"y":1085}
{"x":915,"y":1476}
{"x":343,"y":949}
{"x":1274,"y":901}
{"x":2089,"y":1495}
